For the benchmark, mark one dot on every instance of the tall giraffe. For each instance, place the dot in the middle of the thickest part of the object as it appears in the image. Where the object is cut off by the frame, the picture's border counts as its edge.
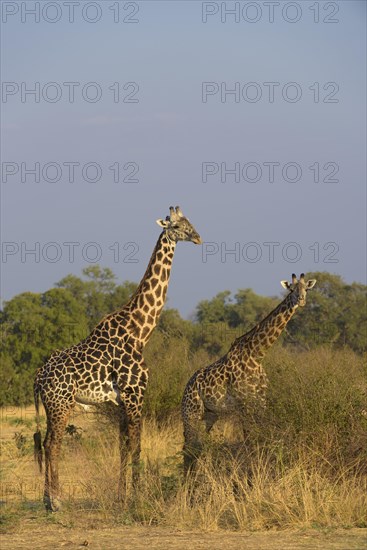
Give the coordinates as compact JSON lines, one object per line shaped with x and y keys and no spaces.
{"x":108,"y":365}
{"x":237,"y":382}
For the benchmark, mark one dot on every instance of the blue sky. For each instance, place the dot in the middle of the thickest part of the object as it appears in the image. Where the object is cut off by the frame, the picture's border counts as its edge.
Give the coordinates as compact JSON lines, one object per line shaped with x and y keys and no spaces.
{"x":169,"y":132}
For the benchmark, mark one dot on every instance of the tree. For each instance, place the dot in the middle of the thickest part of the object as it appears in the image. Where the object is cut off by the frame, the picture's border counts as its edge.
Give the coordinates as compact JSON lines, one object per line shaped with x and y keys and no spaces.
{"x":99,"y":293}
{"x":250,"y":308}
{"x":32,"y":326}
{"x":335,"y":314}
{"x":224,"y":318}
{"x":215,"y":310}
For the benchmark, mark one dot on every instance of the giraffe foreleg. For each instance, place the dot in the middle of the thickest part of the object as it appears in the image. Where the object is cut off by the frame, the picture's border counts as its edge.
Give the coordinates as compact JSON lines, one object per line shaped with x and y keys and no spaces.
{"x":134,"y":427}
{"x":130,"y":442}
{"x":131,"y":399}
{"x":130,"y":434}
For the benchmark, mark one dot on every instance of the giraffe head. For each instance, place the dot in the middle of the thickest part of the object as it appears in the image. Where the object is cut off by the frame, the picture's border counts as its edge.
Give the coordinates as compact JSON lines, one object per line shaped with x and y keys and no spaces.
{"x":299,"y":288}
{"x":178,"y":228}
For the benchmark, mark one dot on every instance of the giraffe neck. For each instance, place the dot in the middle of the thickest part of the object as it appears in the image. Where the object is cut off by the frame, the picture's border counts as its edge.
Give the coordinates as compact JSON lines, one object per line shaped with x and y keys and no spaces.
{"x":259,"y":339}
{"x":147,"y":302}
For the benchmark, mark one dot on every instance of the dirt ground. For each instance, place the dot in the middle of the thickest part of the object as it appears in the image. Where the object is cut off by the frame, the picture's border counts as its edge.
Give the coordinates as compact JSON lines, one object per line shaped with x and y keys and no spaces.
{"x":30,"y":535}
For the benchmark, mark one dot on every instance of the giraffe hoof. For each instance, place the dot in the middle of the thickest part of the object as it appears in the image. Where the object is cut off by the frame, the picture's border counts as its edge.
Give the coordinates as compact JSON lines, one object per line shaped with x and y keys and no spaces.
{"x":52,"y":504}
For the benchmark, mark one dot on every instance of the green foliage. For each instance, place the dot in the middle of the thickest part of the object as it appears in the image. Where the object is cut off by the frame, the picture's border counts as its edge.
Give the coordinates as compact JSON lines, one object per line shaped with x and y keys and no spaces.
{"x":246,"y":309}
{"x":99,"y":294}
{"x":215,"y":310}
{"x":34,"y":325}
{"x":317,"y":399}
{"x":172,"y":325}
{"x":223,"y":319}
{"x":335,"y":314}
{"x":249,"y":308}
{"x":171,"y":364}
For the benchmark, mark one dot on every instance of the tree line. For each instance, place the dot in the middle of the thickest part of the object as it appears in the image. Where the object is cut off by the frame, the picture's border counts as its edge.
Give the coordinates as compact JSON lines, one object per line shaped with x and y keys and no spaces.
{"x":35,"y":324}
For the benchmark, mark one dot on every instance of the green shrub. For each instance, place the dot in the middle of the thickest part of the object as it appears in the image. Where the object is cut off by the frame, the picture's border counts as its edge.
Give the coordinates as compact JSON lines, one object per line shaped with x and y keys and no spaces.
{"x":317,"y":399}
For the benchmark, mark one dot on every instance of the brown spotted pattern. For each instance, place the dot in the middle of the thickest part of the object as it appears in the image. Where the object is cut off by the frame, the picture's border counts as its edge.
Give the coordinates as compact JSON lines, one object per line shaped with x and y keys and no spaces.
{"x":236,"y":383}
{"x":108,"y":365}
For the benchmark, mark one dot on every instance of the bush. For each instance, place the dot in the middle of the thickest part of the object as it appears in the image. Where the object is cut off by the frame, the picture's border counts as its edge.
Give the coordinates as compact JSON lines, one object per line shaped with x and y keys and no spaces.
{"x":171,"y":364}
{"x":316,"y":401}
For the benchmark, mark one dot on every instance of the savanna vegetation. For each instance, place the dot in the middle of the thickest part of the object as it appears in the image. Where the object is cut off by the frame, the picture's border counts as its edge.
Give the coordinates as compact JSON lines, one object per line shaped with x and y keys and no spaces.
{"x":308,"y":458}
{"x":33,"y":325}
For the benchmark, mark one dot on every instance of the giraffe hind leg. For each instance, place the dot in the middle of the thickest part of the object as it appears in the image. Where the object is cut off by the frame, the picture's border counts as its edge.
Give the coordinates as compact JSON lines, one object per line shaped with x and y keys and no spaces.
{"x":193,"y":445}
{"x":210,"y":418}
{"x":124,"y":445}
{"x":56,"y":423}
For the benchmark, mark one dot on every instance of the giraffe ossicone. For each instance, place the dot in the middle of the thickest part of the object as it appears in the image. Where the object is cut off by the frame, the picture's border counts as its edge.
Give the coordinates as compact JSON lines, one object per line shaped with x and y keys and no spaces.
{"x":108,"y":365}
{"x":237,"y":382}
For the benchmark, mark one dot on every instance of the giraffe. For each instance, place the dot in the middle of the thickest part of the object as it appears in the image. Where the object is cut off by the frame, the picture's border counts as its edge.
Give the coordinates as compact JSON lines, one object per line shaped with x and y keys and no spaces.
{"x":108,"y":365}
{"x":237,"y":382}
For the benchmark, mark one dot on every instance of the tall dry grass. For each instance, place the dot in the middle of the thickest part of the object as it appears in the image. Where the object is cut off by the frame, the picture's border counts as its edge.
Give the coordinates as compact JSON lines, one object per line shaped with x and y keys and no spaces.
{"x":307,"y":491}
{"x":305,"y":466}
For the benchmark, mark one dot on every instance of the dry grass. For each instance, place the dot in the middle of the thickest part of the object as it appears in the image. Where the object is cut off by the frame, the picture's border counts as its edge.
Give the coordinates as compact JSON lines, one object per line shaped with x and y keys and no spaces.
{"x":306,"y":465}
{"x":306,"y":492}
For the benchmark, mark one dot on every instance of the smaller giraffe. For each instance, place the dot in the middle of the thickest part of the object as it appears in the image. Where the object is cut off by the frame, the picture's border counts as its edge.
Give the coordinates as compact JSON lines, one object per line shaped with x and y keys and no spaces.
{"x":237,"y":382}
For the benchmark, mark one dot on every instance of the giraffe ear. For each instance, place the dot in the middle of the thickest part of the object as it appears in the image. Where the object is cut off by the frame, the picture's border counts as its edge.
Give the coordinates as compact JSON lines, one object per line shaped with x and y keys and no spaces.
{"x":311,"y":283}
{"x":285,"y":284}
{"x":162,"y":223}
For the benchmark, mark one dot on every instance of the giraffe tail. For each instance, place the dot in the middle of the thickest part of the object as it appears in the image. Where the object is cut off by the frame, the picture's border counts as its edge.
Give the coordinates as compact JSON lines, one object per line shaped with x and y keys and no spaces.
{"x":37,"y":435}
